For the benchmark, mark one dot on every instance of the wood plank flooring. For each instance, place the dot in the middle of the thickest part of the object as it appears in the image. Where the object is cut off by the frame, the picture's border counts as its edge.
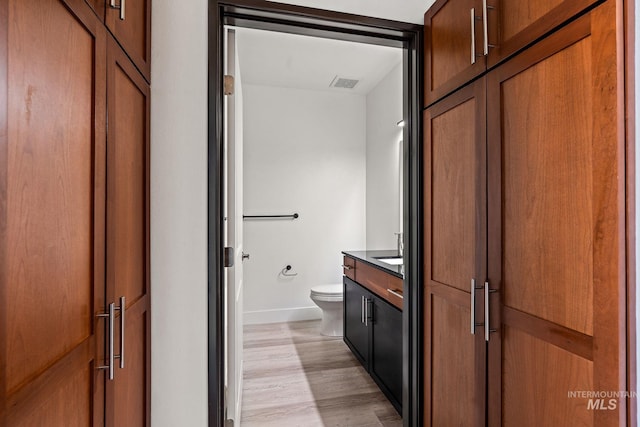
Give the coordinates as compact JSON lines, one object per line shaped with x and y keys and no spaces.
{"x":293,"y":376}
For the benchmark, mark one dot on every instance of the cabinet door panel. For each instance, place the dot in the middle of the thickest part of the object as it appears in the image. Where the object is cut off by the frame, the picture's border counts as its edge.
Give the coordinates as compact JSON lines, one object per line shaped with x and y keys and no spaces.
{"x":133,"y":32}
{"x":455,"y":188}
{"x":546,"y":233}
{"x":51,"y":213}
{"x":556,"y":218}
{"x":386,"y":350}
{"x":356,"y":333}
{"x":531,"y":398}
{"x":128,"y":234}
{"x":448,"y":47}
{"x":130,"y":386}
{"x":514,"y":24}
{"x":454,"y":383}
{"x":455,"y":253}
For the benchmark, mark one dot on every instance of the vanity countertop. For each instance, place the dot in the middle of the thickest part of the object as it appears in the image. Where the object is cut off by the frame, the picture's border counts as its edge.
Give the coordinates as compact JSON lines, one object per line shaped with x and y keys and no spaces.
{"x":370,"y":257}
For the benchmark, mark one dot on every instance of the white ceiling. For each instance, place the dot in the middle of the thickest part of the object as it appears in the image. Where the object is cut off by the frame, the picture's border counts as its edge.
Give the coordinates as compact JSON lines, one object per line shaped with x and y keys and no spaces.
{"x":395,"y":10}
{"x":302,"y":62}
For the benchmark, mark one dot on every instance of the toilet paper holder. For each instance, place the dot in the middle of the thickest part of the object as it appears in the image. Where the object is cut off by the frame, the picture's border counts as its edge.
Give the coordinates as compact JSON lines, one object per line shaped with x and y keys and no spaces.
{"x":285,"y":272}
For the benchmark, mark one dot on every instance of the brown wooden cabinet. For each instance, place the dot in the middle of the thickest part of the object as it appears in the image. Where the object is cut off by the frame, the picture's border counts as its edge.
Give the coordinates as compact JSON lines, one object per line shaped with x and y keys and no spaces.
{"x":464,"y":38}
{"x":557,"y":226}
{"x":130,"y":23}
{"x":524,"y":191}
{"x":73,"y":219}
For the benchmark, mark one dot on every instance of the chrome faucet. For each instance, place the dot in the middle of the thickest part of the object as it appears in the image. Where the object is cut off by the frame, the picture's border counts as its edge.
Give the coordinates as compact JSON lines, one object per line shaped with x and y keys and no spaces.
{"x":400,"y":244}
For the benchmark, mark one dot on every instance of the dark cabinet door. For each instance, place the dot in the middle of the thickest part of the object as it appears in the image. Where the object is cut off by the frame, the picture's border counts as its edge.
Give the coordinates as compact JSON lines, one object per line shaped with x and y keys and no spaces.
{"x":356,"y":329}
{"x":386,"y":350}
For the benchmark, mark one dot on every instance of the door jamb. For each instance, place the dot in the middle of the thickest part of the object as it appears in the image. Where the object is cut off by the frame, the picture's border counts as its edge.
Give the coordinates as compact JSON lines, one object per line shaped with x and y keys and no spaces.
{"x":301,"y":20}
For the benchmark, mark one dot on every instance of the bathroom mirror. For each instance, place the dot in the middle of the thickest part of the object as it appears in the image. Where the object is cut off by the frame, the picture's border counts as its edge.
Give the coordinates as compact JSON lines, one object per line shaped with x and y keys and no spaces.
{"x":384,"y":160}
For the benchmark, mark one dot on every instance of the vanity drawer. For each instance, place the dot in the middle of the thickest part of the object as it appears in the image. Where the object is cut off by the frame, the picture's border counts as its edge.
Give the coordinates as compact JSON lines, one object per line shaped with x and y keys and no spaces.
{"x":349,"y":267}
{"x":380,"y":283}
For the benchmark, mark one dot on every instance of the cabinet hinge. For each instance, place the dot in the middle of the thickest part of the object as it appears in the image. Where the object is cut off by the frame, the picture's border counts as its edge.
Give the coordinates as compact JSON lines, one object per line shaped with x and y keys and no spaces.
{"x":228,"y":256}
{"x":228,"y":84}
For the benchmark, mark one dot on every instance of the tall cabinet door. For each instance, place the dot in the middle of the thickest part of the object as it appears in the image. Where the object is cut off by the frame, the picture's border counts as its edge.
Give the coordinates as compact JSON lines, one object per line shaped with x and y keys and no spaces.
{"x":455,"y":255}
{"x":556,"y":227}
{"x":128,"y":237}
{"x":52,"y":192}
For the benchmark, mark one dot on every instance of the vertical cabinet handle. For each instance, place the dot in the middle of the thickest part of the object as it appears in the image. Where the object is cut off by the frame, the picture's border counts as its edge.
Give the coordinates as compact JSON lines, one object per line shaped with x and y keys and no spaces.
{"x":366,"y":312}
{"x":110,"y":315}
{"x":487,"y":328}
{"x":121,"y":7}
{"x":474,"y":288}
{"x":485,"y":29}
{"x":473,"y":35}
{"x":486,"y":311}
{"x":362,"y":309}
{"x":122,"y":310}
{"x":473,"y":306}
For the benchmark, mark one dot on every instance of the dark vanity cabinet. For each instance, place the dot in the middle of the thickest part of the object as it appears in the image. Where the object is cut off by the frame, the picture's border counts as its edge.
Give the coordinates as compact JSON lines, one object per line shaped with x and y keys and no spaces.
{"x":386,"y":349}
{"x":356,"y":329}
{"x":373,"y":332}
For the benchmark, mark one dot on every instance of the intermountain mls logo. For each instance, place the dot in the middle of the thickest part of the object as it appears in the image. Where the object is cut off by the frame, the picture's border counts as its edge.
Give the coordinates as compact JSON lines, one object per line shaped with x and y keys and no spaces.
{"x":602,"y":400}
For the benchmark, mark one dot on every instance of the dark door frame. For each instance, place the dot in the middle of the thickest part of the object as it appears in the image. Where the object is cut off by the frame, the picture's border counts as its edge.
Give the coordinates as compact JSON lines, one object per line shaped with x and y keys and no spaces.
{"x":317,"y":22}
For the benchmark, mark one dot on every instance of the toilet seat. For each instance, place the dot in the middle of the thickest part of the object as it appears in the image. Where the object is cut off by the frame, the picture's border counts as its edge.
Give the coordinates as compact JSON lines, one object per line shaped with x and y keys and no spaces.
{"x":327,"y":292}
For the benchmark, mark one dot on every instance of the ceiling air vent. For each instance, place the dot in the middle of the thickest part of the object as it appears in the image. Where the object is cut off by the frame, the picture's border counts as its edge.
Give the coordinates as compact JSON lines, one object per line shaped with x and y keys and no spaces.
{"x":344,"y":83}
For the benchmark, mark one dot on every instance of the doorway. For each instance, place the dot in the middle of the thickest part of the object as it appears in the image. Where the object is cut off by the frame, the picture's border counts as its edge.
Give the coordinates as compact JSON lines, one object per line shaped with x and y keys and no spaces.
{"x":317,"y":168}
{"x":298,"y":20}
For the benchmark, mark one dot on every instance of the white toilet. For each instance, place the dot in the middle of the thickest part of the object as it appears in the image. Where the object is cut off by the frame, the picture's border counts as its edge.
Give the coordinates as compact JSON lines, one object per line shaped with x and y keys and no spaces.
{"x":329,"y":299}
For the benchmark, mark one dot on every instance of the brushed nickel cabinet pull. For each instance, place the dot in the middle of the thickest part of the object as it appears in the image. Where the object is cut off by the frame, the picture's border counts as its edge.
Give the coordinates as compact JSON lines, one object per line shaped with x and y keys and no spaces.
{"x":347,"y":267}
{"x":473,"y":35}
{"x":487,"y":328}
{"x":110,"y":323}
{"x":122,"y":310}
{"x":121,"y":7}
{"x":366,"y":312}
{"x":399,"y":295}
{"x":474,"y":288}
{"x":485,"y":27}
{"x":362,"y":309}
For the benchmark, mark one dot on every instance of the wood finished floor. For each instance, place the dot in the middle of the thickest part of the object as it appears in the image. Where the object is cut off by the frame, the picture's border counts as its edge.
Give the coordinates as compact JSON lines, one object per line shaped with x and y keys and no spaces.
{"x":293,"y":376}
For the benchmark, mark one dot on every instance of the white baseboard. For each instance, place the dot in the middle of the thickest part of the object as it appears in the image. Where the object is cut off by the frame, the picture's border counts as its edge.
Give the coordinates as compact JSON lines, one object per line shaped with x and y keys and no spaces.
{"x":282,"y":315}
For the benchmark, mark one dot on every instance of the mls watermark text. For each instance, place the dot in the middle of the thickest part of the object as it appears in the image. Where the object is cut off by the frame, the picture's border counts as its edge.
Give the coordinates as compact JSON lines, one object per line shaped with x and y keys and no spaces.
{"x":601,"y":400}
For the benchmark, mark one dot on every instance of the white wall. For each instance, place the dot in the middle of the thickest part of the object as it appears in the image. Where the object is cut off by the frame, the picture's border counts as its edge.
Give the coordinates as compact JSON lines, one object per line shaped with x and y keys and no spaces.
{"x":384,"y":111}
{"x":178,"y":207}
{"x":179,"y":214}
{"x":304,"y":152}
